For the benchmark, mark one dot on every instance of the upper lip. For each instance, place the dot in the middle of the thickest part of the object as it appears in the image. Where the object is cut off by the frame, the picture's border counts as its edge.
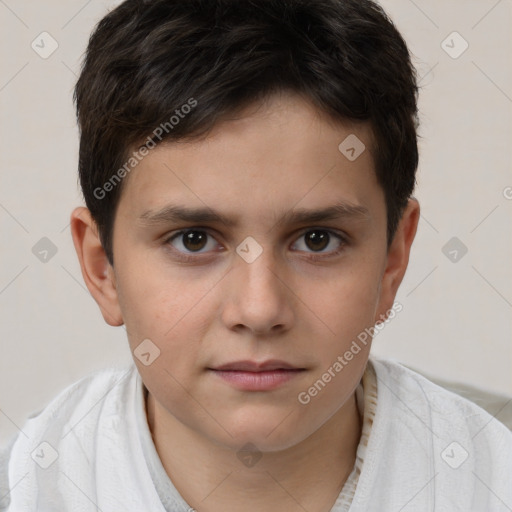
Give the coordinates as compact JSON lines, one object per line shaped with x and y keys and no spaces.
{"x":254,"y":366}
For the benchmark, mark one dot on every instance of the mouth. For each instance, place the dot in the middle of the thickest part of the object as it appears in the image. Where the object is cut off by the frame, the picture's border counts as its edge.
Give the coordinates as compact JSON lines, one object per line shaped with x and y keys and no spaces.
{"x":254,"y":376}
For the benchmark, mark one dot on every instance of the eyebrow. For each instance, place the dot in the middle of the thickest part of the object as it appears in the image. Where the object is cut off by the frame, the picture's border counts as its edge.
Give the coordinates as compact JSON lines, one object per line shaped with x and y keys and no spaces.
{"x":176,"y":213}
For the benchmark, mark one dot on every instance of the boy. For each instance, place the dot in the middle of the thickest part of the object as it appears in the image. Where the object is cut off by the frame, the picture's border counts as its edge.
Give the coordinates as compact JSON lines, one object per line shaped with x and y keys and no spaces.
{"x":221,"y":142}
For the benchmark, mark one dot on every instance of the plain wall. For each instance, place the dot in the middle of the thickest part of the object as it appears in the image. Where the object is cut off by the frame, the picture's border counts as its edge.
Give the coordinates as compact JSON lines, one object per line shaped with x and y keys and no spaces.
{"x":456,"y":317}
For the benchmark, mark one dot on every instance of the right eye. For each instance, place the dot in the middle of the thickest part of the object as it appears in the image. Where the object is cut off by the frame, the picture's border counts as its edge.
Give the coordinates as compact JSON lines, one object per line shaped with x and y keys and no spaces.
{"x":190,"y":241}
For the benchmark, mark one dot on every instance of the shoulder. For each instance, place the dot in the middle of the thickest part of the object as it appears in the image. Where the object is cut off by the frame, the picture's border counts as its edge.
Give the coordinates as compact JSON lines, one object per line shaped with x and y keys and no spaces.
{"x":92,"y":389}
{"x":87,"y":396}
{"x":410,"y":391}
{"x":405,"y":383}
{"x":4,"y":474}
{"x":453,"y":442}
{"x":68,"y":420}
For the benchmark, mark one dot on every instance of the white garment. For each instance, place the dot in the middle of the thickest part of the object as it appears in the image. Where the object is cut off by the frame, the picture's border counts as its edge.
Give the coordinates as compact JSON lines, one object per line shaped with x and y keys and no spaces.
{"x":428,"y":450}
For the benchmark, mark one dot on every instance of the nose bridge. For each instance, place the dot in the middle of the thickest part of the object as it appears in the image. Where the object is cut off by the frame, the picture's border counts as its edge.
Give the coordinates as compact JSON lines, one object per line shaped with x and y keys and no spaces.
{"x":259,"y":299}
{"x":257,"y":267}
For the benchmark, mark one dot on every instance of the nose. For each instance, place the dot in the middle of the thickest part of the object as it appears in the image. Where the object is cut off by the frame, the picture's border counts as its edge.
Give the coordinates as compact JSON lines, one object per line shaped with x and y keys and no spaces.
{"x":259,"y":298}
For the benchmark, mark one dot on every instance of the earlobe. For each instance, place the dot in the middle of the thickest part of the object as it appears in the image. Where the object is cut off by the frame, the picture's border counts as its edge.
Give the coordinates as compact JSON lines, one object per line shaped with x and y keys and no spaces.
{"x":398,"y":257}
{"x":97,"y":272}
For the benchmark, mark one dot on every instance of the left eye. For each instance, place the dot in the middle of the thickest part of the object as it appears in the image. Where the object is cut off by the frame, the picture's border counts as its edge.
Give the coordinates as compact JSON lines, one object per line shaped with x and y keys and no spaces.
{"x":193,"y":241}
{"x":319,"y":239}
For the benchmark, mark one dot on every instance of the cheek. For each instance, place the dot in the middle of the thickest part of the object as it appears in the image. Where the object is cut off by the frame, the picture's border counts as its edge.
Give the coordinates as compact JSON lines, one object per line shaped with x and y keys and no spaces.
{"x":156,"y":301}
{"x":171,"y":314}
{"x":346,"y":305}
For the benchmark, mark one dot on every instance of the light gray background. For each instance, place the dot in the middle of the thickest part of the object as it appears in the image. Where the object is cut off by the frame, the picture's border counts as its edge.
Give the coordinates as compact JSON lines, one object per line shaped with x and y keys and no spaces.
{"x":456,"y":318}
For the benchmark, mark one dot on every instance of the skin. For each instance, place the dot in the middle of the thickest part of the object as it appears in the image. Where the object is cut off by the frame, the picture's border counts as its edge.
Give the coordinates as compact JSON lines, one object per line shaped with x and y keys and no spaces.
{"x":217,"y":308}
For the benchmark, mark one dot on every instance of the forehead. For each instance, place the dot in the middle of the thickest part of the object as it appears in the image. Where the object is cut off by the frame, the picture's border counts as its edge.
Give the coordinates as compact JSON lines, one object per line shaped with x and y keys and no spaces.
{"x":273,"y":156}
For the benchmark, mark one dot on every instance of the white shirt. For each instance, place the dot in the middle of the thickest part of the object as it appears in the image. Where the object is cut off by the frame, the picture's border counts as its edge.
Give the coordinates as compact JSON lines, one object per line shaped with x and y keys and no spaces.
{"x":428,"y":450}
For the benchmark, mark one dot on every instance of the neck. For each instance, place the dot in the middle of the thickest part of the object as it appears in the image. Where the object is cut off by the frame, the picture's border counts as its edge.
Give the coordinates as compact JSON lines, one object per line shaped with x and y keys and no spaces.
{"x":211,"y":478}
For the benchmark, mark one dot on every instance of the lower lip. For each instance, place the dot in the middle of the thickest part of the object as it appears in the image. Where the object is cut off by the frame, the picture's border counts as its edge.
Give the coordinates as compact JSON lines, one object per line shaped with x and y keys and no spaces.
{"x":257,"y":381}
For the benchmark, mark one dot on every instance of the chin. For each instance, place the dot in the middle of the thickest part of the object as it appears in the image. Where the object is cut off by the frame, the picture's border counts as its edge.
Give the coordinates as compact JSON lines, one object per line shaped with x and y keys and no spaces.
{"x":267,"y":433}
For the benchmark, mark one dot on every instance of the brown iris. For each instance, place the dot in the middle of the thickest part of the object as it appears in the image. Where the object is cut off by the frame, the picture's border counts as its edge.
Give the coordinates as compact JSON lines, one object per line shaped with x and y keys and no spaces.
{"x":194,"y":240}
{"x":317,"y":240}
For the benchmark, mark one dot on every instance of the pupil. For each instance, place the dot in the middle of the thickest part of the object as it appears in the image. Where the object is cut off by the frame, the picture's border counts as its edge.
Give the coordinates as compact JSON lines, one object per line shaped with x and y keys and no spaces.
{"x":194,"y":240}
{"x":314,"y":237}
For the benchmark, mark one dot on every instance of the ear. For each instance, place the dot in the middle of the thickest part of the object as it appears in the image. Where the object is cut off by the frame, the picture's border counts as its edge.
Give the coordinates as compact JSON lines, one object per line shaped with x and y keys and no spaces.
{"x":397,"y":258}
{"x":97,"y":272}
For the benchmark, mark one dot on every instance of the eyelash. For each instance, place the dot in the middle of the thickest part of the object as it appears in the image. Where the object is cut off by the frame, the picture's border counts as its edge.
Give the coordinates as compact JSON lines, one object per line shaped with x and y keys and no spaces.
{"x":193,"y":257}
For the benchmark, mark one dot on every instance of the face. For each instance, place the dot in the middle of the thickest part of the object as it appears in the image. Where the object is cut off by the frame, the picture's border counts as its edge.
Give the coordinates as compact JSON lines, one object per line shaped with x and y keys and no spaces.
{"x":260,"y":283}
